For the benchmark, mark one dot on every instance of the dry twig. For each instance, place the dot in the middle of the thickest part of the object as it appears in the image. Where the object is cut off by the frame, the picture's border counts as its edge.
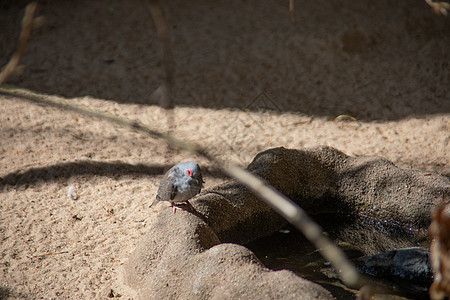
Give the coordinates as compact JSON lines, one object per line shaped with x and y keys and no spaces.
{"x":49,"y":254}
{"x":29,"y":22}
{"x":439,"y":7}
{"x":164,"y":92}
{"x":292,"y":11}
{"x":440,"y":251}
{"x":162,"y":30}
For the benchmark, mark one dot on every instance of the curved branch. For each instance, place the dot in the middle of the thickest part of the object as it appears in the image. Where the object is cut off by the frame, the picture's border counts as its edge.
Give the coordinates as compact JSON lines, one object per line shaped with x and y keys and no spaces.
{"x":280,"y":203}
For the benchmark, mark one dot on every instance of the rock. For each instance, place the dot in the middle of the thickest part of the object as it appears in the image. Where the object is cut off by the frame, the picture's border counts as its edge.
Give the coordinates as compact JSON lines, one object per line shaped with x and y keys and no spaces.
{"x":180,"y":257}
{"x":409,"y":268}
{"x":188,"y":256}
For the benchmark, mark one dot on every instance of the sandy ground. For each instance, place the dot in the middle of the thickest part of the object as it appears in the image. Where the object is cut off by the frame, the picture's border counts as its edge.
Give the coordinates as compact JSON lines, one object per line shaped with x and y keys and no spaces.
{"x":385,"y":64}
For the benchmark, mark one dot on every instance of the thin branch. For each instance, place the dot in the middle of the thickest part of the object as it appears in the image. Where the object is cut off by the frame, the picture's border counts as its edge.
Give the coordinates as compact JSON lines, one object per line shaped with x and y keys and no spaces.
{"x":162,"y":30}
{"x":439,"y":7}
{"x":65,"y":105}
{"x":280,"y":203}
{"x":49,"y":254}
{"x":28,"y":23}
{"x":292,"y":11}
{"x":297,"y":217}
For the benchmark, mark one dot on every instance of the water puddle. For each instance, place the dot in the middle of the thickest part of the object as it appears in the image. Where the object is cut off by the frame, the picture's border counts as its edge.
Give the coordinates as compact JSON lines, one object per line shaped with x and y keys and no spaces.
{"x":356,"y":236}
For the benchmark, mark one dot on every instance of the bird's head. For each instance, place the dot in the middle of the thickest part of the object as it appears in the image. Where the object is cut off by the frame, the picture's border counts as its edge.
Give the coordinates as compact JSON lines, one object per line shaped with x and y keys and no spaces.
{"x":192,"y":169}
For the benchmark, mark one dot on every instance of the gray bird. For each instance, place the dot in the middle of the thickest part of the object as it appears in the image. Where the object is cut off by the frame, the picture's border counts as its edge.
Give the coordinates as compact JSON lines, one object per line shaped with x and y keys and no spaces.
{"x":182,"y":182}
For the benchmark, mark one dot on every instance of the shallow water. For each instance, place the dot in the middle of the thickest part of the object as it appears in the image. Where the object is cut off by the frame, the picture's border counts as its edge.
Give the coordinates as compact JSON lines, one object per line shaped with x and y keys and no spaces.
{"x":288,"y":249}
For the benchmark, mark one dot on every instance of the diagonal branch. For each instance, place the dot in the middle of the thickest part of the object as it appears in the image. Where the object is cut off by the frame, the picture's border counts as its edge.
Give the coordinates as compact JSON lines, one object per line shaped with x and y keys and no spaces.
{"x":292,"y":11}
{"x":162,"y":30}
{"x":280,"y":203}
{"x":29,"y":22}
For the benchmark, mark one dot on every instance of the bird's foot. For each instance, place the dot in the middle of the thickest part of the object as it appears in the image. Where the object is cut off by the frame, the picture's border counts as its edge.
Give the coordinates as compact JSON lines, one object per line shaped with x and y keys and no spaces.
{"x":187,"y":207}
{"x":184,"y":206}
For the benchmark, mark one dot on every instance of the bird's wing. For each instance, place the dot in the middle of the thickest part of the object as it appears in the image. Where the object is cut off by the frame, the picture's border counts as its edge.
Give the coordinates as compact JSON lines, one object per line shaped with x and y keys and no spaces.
{"x":166,"y":193}
{"x":173,"y":192}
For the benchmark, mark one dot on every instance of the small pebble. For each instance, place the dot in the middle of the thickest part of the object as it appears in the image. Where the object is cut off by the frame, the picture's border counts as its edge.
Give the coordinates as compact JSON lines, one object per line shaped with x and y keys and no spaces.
{"x":71,"y":193}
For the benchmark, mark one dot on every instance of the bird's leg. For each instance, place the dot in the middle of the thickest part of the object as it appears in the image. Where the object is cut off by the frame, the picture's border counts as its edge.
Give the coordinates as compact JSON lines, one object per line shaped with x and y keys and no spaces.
{"x":174,"y":207}
{"x":187,"y":207}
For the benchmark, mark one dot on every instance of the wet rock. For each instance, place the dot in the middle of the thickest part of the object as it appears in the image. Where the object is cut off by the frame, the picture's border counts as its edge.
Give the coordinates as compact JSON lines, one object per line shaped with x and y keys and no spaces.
{"x":409,"y":268}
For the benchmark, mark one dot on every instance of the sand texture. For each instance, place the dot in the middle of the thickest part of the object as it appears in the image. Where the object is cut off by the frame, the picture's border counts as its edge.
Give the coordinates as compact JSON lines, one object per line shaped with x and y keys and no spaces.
{"x":384,"y":63}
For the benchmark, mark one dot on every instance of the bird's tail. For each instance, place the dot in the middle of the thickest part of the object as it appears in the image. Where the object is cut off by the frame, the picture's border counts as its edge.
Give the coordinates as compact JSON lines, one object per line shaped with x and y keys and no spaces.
{"x":154,"y":201}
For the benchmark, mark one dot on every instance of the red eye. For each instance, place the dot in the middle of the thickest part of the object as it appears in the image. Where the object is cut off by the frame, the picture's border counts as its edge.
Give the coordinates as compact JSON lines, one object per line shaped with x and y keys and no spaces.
{"x":189,"y":172}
